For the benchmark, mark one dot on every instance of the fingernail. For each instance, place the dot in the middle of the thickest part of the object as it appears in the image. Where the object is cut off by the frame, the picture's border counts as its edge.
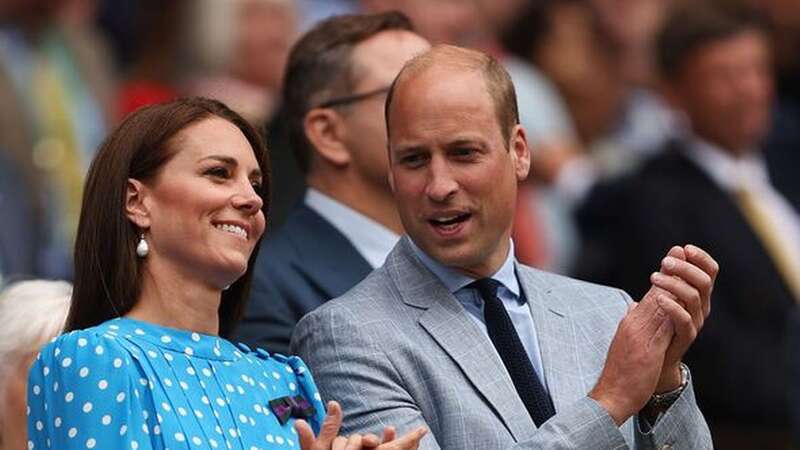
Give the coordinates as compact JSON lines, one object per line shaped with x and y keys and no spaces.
{"x":669,"y":262}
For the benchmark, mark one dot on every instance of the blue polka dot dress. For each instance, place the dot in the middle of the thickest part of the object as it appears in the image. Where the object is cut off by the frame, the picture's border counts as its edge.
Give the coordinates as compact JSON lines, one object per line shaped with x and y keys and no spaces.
{"x":127,"y":384}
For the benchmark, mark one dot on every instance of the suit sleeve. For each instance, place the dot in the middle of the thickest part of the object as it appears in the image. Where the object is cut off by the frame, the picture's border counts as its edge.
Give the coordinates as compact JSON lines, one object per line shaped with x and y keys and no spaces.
{"x":353,"y":369}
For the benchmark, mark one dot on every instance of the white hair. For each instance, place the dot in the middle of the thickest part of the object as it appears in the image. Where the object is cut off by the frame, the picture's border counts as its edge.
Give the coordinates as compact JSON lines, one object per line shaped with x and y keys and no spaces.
{"x":31,"y":313}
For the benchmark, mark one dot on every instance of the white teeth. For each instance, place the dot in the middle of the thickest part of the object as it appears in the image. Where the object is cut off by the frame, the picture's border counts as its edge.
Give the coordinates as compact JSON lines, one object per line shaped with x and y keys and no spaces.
{"x":232,"y":229}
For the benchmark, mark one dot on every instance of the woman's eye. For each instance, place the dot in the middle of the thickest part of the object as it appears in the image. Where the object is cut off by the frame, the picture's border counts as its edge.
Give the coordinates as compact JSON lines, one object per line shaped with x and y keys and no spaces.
{"x":218,"y":172}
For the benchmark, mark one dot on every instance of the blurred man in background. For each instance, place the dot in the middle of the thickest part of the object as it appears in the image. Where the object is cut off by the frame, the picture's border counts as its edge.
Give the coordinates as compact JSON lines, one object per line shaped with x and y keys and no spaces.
{"x":712,"y":186}
{"x":336,"y":82}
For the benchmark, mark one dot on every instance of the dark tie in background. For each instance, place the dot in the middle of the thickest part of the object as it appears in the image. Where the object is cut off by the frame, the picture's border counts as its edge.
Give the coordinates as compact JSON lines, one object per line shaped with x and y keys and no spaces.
{"x":506,"y":341}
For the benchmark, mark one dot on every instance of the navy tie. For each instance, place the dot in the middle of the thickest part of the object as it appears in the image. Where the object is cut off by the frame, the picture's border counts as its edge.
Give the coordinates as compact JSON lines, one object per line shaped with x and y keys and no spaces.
{"x":505,"y":339}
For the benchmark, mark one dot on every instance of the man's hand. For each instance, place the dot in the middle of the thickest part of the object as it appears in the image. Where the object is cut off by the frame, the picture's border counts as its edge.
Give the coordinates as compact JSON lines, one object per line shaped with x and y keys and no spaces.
{"x":683,"y":290}
{"x":329,"y":438}
{"x":634,"y":361}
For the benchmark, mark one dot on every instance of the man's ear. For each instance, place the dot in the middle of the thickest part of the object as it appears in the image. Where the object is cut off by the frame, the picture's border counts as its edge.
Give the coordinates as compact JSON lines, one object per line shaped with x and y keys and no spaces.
{"x":520,"y":152}
{"x":135,"y":208}
{"x":326,"y":131}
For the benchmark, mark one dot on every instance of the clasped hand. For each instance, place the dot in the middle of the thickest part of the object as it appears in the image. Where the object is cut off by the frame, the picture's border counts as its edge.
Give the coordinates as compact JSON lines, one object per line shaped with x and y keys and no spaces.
{"x":329,"y":438}
{"x":647,"y":349}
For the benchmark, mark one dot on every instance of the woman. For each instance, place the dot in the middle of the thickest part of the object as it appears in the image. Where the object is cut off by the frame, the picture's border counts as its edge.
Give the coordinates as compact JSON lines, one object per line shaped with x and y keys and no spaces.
{"x":172,"y":215}
{"x":32,"y":313}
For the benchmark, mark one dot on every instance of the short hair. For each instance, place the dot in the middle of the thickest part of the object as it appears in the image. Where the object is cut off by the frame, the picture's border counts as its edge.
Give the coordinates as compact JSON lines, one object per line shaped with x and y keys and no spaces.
{"x":107,"y":270}
{"x":690,"y":26}
{"x":32,"y":313}
{"x":320,"y":68}
{"x":498,"y":82}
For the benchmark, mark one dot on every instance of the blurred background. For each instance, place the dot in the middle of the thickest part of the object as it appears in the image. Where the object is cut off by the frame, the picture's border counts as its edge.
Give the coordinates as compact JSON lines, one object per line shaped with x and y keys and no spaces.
{"x":597,"y":96}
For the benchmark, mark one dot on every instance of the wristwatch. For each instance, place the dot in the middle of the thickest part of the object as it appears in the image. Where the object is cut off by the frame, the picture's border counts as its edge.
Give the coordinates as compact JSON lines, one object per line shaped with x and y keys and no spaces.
{"x":663,"y":401}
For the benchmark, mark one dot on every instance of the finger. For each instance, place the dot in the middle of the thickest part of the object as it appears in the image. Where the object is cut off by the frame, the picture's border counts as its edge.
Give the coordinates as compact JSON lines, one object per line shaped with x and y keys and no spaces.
{"x":331,"y":425}
{"x":354,"y":442}
{"x":370,"y":440}
{"x":304,"y":434}
{"x":677,"y":252}
{"x":389,"y":434}
{"x":339,"y":443}
{"x":685,"y":332}
{"x":646,"y":318}
{"x":684,"y":294}
{"x":703,"y":260}
{"x":693,"y":275}
{"x":409,"y":441}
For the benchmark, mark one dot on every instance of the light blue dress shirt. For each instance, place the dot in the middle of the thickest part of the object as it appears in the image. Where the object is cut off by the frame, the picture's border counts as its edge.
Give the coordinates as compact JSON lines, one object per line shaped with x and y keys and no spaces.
{"x":509,"y":293}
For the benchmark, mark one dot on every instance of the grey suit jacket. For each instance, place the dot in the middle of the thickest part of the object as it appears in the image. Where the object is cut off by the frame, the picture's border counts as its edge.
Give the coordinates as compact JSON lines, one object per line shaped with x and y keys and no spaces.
{"x":399,"y":349}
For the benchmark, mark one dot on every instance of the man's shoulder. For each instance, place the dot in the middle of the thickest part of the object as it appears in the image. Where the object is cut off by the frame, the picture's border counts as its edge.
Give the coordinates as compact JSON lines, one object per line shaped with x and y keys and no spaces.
{"x":369,"y":297}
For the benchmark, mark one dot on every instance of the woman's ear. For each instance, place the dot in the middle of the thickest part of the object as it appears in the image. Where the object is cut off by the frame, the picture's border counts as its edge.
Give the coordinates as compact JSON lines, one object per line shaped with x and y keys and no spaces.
{"x":135,"y":207}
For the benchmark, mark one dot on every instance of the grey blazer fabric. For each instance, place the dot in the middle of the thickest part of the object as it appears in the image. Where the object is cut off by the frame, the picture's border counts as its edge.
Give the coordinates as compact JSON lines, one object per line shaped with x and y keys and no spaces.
{"x":398,"y":349}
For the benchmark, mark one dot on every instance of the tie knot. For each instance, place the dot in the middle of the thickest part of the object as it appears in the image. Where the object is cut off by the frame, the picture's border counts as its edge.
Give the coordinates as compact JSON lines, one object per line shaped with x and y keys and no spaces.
{"x":487,"y":287}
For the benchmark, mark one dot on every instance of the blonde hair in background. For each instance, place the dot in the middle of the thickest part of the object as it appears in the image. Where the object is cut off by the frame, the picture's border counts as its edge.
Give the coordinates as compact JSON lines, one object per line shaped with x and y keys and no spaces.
{"x":32,"y":312}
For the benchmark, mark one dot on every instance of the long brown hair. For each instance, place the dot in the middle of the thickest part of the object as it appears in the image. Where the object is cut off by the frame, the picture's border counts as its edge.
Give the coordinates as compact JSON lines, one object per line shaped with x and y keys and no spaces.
{"x":107,"y":270}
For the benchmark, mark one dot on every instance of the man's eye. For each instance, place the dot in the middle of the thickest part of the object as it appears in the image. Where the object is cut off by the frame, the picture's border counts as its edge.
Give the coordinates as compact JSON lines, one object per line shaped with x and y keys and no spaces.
{"x":412,"y":160}
{"x":463,"y":152}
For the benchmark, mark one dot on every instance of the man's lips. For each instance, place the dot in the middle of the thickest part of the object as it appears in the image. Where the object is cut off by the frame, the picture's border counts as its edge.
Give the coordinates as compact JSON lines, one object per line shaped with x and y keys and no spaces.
{"x":449,"y":224}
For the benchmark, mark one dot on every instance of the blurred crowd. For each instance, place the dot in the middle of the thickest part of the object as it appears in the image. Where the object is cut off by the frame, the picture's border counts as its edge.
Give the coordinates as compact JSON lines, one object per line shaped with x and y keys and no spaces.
{"x":651,"y":122}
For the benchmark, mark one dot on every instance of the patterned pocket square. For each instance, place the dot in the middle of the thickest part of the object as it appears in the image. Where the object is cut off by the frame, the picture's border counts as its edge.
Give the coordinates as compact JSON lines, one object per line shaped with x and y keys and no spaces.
{"x":288,"y":407}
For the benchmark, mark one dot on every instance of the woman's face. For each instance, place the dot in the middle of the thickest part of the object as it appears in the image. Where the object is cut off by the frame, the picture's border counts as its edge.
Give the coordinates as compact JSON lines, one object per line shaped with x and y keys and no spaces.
{"x":203,"y":210}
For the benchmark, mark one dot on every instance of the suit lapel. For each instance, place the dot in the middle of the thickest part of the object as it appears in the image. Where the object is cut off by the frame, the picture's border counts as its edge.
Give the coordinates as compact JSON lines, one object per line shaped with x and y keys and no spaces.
{"x":333,"y":265}
{"x":450,"y":326}
{"x":556,"y":334}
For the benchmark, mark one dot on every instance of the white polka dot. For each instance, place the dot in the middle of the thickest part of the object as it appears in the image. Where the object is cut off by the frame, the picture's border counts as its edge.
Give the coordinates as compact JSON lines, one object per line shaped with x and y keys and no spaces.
{"x":134,"y":445}
{"x":220,"y":402}
{"x":168,"y":357}
{"x":232,"y":432}
{"x":123,"y":429}
{"x":36,"y":389}
{"x":206,"y":372}
{"x":72,"y":432}
{"x":239,"y":388}
{"x":145,"y":429}
{"x":168,"y":382}
{"x":68,"y":398}
{"x":198,"y":413}
{"x":56,"y":352}
{"x":317,"y":396}
{"x":180,"y":437}
{"x":55,"y":386}
{"x":120,"y":397}
{"x":292,"y":386}
{"x":66,"y":362}
{"x":106,"y":419}
{"x":184,"y":386}
{"x":229,"y":388}
{"x":276,"y":375}
{"x":279,"y":439}
{"x":195,"y":337}
{"x":188,"y":351}
{"x":166,"y":339}
{"x":102,"y":385}
{"x":166,"y":406}
{"x":84,"y":372}
{"x":257,"y":408}
{"x":46,"y":371}
{"x":156,"y":429}
{"x":139,"y":331}
{"x":57,"y":422}
{"x":30,"y":445}
{"x":242,"y":418}
{"x":204,"y":399}
{"x":152,"y":354}
{"x":99,"y":350}
{"x":39,"y":425}
{"x":197,"y":441}
{"x":117,"y":363}
{"x":213,"y":443}
{"x":91,"y":443}
{"x":82,"y":342}
{"x":270,"y":438}
{"x":288,"y":369}
{"x":87,"y":407}
{"x":182,"y":411}
{"x":190,"y":370}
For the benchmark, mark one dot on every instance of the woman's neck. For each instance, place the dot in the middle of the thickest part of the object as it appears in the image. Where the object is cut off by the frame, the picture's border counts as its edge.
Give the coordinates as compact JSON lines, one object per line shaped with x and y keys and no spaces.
{"x":175,"y":301}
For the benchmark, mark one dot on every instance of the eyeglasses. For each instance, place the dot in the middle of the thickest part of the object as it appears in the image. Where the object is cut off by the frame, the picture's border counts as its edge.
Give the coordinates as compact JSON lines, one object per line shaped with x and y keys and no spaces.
{"x":354,"y":98}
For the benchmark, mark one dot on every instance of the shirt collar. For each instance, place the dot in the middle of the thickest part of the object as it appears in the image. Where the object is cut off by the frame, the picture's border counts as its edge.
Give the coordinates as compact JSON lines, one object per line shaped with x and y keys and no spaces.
{"x":371,"y":239}
{"x":454,"y":280}
{"x":727,"y":171}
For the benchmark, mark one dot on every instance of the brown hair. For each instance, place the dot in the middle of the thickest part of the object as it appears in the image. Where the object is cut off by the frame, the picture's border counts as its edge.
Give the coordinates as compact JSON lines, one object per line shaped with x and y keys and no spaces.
{"x":498,"y":82}
{"x":320,"y":68}
{"x":692,"y":25}
{"x":107,"y":270}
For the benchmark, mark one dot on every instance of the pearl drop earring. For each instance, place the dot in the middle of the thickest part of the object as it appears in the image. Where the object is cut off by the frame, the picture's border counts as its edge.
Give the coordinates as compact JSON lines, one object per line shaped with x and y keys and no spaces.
{"x":142,"y":249}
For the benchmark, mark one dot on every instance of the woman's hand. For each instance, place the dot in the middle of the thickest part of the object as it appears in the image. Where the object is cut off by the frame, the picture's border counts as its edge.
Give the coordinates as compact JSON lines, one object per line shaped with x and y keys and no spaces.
{"x":329,"y":439}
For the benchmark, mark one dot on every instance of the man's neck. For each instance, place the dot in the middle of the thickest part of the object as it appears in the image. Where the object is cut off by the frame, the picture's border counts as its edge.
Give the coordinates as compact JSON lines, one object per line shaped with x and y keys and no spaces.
{"x":374,"y":202}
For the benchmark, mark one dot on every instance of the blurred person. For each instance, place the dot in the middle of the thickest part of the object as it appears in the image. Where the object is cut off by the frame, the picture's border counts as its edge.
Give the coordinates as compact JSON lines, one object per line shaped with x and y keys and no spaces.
{"x":439,"y":21}
{"x":32,"y":312}
{"x":174,"y":210}
{"x":336,"y":81}
{"x":452,"y":333}
{"x":21,"y":233}
{"x":55,"y":103}
{"x":261,"y":33}
{"x":712,"y":186}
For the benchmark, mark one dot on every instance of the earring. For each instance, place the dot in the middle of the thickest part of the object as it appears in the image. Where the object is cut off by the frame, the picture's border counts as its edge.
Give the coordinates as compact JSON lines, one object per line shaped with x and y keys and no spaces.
{"x":142,"y":249}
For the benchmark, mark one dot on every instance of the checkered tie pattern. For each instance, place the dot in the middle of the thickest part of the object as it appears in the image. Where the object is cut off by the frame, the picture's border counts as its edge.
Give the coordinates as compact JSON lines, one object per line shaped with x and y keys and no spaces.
{"x":507,"y":343}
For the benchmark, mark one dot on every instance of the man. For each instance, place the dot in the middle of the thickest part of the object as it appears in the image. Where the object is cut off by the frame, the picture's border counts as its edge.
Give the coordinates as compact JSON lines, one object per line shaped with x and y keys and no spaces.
{"x":713,"y":187}
{"x":453,"y":334}
{"x":336,"y":80}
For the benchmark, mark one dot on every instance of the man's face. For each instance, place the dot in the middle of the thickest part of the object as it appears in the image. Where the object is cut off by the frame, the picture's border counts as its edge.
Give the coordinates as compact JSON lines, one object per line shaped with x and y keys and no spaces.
{"x":377,"y":61}
{"x":454,"y":177}
{"x":726,"y":90}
